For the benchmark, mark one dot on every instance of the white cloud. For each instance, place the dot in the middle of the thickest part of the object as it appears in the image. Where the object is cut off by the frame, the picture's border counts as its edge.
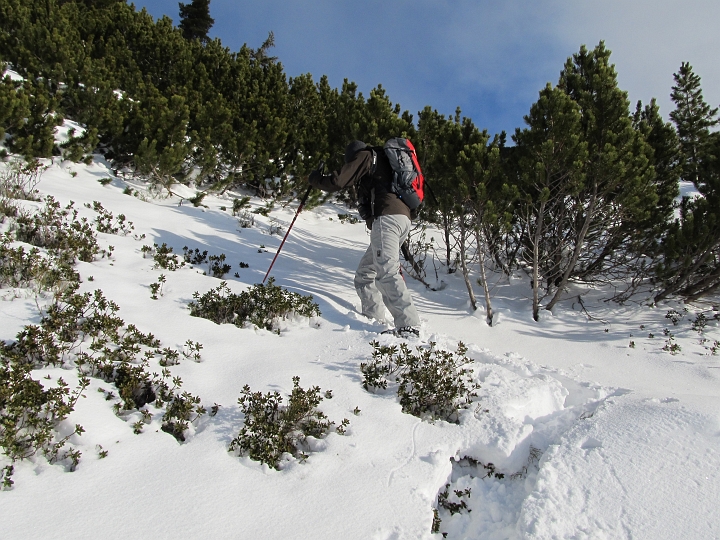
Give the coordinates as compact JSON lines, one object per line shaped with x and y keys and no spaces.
{"x":649,"y":40}
{"x":490,"y":58}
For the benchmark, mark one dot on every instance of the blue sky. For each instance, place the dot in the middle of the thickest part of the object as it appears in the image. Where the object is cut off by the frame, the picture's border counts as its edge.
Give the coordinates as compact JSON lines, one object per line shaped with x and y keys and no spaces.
{"x":488,"y":58}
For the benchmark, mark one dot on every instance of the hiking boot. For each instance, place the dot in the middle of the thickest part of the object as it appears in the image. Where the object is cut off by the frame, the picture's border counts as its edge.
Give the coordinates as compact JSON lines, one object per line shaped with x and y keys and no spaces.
{"x":403,"y":332}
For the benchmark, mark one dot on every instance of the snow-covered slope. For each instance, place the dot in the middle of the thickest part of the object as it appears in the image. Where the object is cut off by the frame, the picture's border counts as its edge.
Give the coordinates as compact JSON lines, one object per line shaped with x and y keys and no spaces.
{"x":593,"y":438}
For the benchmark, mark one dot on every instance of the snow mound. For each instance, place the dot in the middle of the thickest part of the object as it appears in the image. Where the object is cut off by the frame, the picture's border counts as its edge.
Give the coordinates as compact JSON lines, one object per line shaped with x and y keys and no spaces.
{"x":635,"y":469}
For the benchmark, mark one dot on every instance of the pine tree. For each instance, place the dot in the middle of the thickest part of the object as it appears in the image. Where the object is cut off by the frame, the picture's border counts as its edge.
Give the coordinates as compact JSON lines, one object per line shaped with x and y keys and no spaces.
{"x":693,"y":118}
{"x":691,"y":249}
{"x":593,"y":223}
{"x":437,"y":154}
{"x":195,"y":20}
{"x":552,"y":158}
{"x":665,"y":159}
{"x":308,"y":125}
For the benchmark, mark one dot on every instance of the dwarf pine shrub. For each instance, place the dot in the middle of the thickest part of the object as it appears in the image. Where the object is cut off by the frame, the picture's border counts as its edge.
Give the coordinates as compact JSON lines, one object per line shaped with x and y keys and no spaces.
{"x":451,"y":502}
{"x":347,"y":218}
{"x":84,"y":331}
{"x":182,"y":410}
{"x":31,"y":269}
{"x":156,"y":289}
{"x":432,"y":383}
{"x":105,"y":222}
{"x":59,"y":231}
{"x":272,"y":429}
{"x":261,"y":305}
{"x":19,"y":180}
{"x":446,"y":501}
{"x":194,"y":257}
{"x":240,"y":204}
{"x":218,"y":266}
{"x":163,"y":256}
{"x":30,"y":413}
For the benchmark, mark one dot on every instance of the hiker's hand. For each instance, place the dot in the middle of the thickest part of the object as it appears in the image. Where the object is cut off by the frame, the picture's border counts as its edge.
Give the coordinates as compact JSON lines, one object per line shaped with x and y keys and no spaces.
{"x":315,"y":178}
{"x":369,"y":222}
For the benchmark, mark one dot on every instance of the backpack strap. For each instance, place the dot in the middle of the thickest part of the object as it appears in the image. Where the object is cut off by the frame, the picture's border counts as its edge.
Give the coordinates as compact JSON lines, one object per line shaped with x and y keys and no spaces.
{"x":374,"y":160}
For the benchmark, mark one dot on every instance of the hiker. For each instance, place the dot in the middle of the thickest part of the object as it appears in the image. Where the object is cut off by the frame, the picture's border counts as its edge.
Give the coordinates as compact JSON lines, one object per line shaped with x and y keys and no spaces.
{"x":378,"y":281}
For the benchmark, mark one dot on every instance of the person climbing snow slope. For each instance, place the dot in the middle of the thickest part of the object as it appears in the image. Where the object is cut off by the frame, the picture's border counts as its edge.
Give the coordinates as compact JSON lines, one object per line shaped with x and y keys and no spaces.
{"x":378,"y":280}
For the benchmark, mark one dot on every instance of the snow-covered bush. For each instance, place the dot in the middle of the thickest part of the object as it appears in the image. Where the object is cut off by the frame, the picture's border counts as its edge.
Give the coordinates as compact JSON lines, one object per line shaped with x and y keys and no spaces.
{"x":182,"y":410}
{"x":261,"y":305}
{"x":163,"y":256}
{"x":30,"y":414}
{"x":30,"y":269}
{"x":272,"y":429}
{"x":433,"y":383}
{"x":105,"y":222}
{"x":59,"y":231}
{"x":84,"y":331}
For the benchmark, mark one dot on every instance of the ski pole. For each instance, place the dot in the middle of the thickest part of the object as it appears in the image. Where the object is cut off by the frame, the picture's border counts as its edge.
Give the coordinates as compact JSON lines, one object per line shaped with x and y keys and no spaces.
{"x":297,"y":213}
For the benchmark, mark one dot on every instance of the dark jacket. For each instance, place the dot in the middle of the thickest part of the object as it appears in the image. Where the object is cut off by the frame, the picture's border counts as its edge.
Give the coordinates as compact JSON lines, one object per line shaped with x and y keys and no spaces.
{"x":374,"y":195}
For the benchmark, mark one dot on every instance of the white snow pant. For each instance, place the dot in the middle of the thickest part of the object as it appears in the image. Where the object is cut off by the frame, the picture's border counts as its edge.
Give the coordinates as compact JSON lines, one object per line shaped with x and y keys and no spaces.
{"x":378,"y":280}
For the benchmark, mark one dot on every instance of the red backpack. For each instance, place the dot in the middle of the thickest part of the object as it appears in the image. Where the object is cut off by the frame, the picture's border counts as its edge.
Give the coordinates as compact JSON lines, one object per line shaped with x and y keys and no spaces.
{"x":408,"y":182}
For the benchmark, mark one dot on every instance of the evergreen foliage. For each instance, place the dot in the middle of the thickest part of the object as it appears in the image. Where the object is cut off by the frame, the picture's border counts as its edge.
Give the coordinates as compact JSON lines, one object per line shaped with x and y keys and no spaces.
{"x":691,"y":248}
{"x":591,"y":201}
{"x":591,"y":186}
{"x":469,"y":196}
{"x":195,"y":20}
{"x":693,"y":118}
{"x":552,"y":155}
{"x":272,"y":429}
{"x":31,"y":270}
{"x":60,"y":232}
{"x":30,"y":414}
{"x":432,"y":384}
{"x":167,"y":101}
{"x":263,"y":305}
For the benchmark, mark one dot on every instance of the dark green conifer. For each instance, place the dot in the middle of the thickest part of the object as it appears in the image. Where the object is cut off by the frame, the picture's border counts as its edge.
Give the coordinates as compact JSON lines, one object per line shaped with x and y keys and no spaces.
{"x":693,"y":118}
{"x":195,"y":20}
{"x":600,"y":215}
{"x":691,"y":248}
{"x":552,"y":158}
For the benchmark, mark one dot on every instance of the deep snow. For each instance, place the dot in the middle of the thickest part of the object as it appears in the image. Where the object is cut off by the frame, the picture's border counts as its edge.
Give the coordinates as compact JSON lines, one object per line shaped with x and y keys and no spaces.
{"x":595,"y":439}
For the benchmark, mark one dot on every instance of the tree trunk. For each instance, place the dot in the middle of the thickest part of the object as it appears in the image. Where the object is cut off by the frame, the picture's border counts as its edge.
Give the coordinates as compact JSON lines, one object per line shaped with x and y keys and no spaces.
{"x":463,"y":263}
{"x":579,"y":242}
{"x":486,"y":289}
{"x":540,"y":218}
{"x":446,"y":227}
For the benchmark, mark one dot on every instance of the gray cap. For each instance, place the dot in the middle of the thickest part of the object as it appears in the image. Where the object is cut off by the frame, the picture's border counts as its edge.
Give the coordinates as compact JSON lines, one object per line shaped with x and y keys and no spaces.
{"x":352,"y":149}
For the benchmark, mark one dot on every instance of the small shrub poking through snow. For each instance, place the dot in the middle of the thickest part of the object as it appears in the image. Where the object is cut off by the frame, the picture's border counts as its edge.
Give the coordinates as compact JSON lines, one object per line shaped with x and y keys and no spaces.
{"x":31,"y":269}
{"x":261,"y":305}
{"x":30,"y":413}
{"x":217,"y":267}
{"x":272,"y":429}
{"x":19,"y":180}
{"x":446,"y":500}
{"x":163,"y":257}
{"x":106,"y":223}
{"x":59,"y":231}
{"x":83,"y":331}
{"x":433,"y":383}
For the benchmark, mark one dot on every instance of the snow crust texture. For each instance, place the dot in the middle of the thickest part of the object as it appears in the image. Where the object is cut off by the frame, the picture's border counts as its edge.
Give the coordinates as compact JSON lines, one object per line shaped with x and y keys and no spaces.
{"x":635,"y":469}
